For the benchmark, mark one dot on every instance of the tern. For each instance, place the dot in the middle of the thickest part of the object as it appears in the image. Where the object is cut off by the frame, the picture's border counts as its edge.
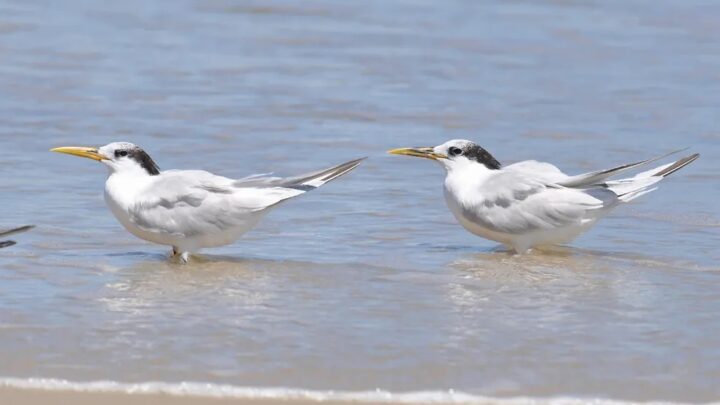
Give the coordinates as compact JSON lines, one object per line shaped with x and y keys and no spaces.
{"x":4,"y":233}
{"x":532,"y":204}
{"x":191,"y":209}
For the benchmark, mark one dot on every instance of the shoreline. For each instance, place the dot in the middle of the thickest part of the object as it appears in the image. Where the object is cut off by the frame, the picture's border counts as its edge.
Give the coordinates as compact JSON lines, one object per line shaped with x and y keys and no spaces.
{"x":59,"y":392}
{"x":34,"y":396}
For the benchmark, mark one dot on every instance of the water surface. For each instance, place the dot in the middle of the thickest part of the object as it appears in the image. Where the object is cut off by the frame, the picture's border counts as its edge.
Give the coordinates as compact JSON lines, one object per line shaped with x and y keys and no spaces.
{"x":367,"y":283}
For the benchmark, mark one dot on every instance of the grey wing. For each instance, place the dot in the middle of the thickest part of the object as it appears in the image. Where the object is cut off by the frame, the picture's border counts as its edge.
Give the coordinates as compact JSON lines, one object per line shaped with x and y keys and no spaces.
{"x":542,"y":171}
{"x":533,"y":195}
{"x":188,"y":203}
{"x":515,"y":203}
{"x":197,"y":202}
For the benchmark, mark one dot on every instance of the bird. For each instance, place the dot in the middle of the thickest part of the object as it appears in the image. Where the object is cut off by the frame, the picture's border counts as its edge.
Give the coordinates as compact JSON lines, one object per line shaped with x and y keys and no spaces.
{"x":191,"y":209}
{"x":4,"y":233}
{"x":532,"y":204}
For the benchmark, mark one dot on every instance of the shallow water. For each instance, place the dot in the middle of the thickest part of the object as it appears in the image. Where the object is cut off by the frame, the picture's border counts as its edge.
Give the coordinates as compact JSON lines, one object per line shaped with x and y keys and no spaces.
{"x":366,"y":283}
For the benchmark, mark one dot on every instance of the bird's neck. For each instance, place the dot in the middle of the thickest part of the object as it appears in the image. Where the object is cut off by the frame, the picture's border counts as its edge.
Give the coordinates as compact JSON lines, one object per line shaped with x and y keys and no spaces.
{"x":469,"y":171}
{"x":123,"y":186}
{"x":467,"y":179}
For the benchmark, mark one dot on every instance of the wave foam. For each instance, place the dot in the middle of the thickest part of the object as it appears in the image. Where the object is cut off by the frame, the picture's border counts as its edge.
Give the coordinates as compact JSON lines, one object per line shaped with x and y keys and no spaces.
{"x":209,"y":390}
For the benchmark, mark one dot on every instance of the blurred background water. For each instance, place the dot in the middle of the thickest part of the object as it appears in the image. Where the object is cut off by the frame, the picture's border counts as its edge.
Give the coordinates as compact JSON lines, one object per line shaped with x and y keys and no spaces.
{"x":368,"y":282}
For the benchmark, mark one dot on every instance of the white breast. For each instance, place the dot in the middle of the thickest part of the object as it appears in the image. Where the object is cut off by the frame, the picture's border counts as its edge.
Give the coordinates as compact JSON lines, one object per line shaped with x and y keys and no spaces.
{"x":120,"y":193}
{"x":456,"y":208}
{"x":461,"y":190}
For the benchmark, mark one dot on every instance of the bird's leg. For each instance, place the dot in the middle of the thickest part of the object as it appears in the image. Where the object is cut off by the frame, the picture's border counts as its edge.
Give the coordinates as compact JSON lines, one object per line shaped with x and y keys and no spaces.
{"x":184,"y":257}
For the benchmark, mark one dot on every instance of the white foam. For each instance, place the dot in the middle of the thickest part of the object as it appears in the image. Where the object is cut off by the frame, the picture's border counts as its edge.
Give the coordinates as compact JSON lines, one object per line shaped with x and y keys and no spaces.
{"x":208,"y":390}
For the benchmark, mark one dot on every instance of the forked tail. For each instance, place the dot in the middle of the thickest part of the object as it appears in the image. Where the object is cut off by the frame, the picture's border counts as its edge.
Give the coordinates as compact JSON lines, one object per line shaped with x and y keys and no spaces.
{"x":645,"y":182}
{"x":273,"y":190}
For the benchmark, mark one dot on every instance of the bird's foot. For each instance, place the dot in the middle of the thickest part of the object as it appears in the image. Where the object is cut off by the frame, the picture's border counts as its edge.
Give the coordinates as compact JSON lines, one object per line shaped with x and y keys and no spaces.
{"x":183,"y":257}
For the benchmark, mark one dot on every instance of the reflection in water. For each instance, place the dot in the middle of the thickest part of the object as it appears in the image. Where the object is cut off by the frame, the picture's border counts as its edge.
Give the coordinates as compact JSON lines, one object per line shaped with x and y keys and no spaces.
{"x":558,"y":276}
{"x":581,"y":311}
{"x":232,"y":282}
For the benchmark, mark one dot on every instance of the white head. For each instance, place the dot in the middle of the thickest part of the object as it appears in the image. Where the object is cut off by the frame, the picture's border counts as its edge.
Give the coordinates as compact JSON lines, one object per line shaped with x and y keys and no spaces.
{"x":122,"y":157}
{"x":454,"y":154}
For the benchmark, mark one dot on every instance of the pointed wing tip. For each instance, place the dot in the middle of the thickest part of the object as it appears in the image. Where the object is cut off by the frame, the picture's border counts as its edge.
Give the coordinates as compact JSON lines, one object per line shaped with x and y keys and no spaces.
{"x":17,"y":230}
{"x":690,"y":158}
{"x":347,"y":166}
{"x":352,"y":164}
{"x":678,"y":165}
{"x":7,"y":243}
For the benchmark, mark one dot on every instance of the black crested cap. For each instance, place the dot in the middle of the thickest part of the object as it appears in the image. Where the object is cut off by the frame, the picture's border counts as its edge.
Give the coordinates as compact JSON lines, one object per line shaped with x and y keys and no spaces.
{"x":137,"y":154}
{"x":475,"y":152}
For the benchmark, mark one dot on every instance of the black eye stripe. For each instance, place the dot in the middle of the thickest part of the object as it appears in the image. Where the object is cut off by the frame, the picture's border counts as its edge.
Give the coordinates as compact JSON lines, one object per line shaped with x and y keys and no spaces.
{"x":139,"y":156}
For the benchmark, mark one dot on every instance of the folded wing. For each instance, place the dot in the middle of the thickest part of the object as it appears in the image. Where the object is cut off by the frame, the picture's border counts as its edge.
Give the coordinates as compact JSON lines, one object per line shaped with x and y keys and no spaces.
{"x":189,"y":203}
{"x":516,"y":203}
{"x":533,"y":195}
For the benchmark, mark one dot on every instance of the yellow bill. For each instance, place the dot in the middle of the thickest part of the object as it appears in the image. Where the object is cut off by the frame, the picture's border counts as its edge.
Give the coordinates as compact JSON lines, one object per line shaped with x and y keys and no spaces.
{"x":82,"y":151}
{"x":424,"y":152}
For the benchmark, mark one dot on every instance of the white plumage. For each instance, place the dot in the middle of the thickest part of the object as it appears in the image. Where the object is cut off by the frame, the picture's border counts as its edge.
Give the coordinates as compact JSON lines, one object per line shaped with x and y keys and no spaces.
{"x":532,"y":203}
{"x":191,"y":209}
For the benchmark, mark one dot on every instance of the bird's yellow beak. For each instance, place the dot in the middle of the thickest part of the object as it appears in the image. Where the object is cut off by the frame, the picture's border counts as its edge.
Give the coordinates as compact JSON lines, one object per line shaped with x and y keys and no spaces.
{"x":425,"y":152}
{"x":82,"y":151}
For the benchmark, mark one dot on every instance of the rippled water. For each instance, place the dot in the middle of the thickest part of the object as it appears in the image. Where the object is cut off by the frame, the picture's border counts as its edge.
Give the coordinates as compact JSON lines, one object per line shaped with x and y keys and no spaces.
{"x":366,"y":283}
